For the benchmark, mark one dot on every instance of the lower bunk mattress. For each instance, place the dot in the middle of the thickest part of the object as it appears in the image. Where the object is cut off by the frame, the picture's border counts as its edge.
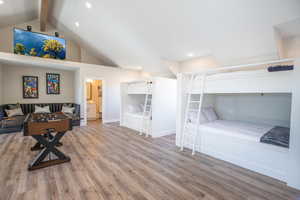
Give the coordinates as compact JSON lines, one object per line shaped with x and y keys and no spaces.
{"x":240,"y":143}
{"x":263,"y":133}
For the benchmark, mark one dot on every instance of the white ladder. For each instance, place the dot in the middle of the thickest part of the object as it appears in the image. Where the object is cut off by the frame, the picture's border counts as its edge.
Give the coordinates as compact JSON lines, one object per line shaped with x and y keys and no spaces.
{"x":188,"y":109}
{"x":147,"y":111}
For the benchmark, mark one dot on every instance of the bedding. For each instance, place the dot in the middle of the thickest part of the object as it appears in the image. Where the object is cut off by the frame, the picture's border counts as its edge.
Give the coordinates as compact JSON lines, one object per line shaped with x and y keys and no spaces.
{"x":136,"y":114}
{"x":210,"y":114}
{"x":135,"y":109}
{"x":246,"y":130}
{"x":192,"y":117}
{"x":279,"y":136}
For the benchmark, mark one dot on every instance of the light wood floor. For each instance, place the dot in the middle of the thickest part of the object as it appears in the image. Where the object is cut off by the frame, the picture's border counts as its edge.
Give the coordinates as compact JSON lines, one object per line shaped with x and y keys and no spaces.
{"x":110,"y":162}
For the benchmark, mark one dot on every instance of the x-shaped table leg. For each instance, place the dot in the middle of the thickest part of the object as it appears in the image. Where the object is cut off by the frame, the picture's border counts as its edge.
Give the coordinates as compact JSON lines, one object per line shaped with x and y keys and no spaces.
{"x":50,"y":147}
{"x":38,"y":146}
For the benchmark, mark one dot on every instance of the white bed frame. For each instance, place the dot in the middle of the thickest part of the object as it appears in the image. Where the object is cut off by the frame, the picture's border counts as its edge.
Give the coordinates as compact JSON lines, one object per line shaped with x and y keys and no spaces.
{"x":164,"y":95}
{"x":274,"y":161}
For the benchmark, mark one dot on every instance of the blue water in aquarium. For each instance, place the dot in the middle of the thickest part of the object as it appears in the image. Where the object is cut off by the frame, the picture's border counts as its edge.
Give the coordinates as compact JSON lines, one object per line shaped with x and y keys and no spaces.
{"x":32,"y":40}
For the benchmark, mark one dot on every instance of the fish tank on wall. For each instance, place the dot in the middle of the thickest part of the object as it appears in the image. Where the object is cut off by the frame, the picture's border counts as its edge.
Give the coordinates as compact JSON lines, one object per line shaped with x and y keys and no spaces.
{"x":40,"y":45}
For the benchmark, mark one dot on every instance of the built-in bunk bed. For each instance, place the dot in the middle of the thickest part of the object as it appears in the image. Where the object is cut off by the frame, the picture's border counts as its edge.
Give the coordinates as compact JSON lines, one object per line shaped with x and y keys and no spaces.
{"x":248,"y":115}
{"x":149,"y":106}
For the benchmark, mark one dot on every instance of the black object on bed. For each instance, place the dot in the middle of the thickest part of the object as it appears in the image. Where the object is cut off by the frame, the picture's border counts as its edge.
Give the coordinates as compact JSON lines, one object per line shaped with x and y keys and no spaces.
{"x":280,"y":68}
{"x":279,"y":136}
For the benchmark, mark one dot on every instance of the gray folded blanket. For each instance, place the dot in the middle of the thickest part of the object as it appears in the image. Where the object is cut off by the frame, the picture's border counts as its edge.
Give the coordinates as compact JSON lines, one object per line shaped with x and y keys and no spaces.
{"x":279,"y":136}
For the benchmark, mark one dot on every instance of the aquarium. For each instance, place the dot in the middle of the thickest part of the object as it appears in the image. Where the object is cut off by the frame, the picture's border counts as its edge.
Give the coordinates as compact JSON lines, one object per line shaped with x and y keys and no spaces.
{"x":37,"y":44}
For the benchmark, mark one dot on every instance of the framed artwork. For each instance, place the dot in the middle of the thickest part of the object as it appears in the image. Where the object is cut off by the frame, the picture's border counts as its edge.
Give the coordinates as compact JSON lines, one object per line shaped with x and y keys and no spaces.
{"x":52,"y":83}
{"x":30,"y":87}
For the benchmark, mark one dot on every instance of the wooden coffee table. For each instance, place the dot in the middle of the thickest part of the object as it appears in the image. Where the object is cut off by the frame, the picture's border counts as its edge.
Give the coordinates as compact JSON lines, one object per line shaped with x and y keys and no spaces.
{"x":47,"y":130}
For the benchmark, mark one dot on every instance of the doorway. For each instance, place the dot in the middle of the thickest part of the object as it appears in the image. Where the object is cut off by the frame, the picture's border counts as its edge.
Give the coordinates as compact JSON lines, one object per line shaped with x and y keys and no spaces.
{"x":94,"y":94}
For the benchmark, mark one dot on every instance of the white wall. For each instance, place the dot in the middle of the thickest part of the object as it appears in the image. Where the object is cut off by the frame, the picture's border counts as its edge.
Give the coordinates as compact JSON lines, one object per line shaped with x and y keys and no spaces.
{"x":164,"y":104}
{"x":111,"y":77}
{"x":197,"y":64}
{"x":294,"y":172}
{"x":273,"y":109}
{"x":1,"y":84}
{"x":87,"y":57}
{"x":13,"y":88}
{"x":291,"y":47}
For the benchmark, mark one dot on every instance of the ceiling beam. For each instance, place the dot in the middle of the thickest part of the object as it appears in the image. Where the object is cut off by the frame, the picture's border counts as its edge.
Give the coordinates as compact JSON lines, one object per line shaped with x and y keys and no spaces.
{"x":44,"y":14}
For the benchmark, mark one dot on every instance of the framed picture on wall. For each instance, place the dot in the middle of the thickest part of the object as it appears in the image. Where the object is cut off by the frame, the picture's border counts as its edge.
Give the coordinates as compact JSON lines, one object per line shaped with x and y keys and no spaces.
{"x":52,"y":83}
{"x":30,"y":87}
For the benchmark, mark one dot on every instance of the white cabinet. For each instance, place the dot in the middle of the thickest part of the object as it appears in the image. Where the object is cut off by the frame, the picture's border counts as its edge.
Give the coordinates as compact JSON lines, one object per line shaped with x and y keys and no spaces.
{"x":91,"y":111}
{"x":163,"y":99}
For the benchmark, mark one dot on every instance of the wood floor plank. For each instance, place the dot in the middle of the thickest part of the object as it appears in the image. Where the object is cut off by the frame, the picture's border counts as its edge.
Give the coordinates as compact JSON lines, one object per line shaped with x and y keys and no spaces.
{"x":113,"y":162}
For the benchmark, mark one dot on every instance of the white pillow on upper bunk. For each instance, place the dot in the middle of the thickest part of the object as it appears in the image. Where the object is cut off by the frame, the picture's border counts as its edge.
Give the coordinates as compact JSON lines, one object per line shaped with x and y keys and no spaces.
{"x":134,"y":109}
{"x":193,"y":117}
{"x":210,"y":114}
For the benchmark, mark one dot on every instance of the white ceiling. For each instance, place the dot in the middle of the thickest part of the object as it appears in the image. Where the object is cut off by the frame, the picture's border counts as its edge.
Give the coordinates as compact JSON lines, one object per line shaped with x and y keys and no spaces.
{"x":290,"y":28}
{"x":143,"y":33}
{"x":17,"y":11}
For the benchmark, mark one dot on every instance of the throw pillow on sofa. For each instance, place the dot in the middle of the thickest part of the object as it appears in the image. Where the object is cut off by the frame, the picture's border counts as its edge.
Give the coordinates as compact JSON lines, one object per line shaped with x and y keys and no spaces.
{"x":38,"y":109}
{"x":14,"y":106}
{"x":14,"y":112}
{"x":67,"y":110}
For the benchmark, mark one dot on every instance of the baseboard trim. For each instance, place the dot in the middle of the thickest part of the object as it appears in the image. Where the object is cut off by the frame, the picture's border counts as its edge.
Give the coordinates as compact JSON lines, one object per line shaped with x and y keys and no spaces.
{"x":163,"y":133}
{"x":110,"y":121}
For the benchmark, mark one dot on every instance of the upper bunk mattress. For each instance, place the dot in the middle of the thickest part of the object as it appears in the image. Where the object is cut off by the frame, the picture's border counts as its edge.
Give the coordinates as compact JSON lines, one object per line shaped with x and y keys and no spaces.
{"x":257,"y":81}
{"x":136,"y":114}
{"x":243,"y":130}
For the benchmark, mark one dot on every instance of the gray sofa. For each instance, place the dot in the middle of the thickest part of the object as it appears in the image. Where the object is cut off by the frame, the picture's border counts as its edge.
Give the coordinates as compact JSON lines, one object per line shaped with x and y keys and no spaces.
{"x":15,"y":124}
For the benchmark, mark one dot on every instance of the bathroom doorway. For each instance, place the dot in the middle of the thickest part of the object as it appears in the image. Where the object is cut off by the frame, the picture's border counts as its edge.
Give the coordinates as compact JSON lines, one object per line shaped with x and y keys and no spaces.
{"x":94,"y":94}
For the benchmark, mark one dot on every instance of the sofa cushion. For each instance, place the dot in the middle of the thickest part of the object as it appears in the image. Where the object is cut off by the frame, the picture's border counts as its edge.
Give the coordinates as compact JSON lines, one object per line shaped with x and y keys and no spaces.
{"x":12,"y":122}
{"x":13,"y":106}
{"x":67,"y":109}
{"x":14,"y":112}
{"x":38,"y":109}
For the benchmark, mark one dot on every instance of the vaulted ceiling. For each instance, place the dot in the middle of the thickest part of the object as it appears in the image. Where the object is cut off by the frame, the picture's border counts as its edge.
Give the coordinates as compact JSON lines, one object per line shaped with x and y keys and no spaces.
{"x":17,"y":11}
{"x":143,"y":33}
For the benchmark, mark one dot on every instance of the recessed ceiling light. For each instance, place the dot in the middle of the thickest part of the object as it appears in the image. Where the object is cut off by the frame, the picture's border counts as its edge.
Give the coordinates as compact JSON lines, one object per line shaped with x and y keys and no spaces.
{"x":88,"y":4}
{"x":1,"y":2}
{"x":190,"y":54}
{"x":77,"y":24}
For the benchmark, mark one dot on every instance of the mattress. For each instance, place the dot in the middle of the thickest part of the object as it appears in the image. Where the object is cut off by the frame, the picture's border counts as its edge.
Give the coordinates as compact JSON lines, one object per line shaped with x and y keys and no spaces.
{"x":136,"y":114}
{"x":237,"y":74}
{"x":243,"y":130}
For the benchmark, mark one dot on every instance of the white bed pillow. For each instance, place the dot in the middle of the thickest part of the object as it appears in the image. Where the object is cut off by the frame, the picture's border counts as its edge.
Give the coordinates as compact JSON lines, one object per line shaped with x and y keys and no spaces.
{"x":38,"y":109}
{"x":193,"y":117}
{"x":67,"y":110}
{"x":134,"y":109}
{"x":210,"y":114}
{"x":14,"y":112}
{"x":141,"y":107}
